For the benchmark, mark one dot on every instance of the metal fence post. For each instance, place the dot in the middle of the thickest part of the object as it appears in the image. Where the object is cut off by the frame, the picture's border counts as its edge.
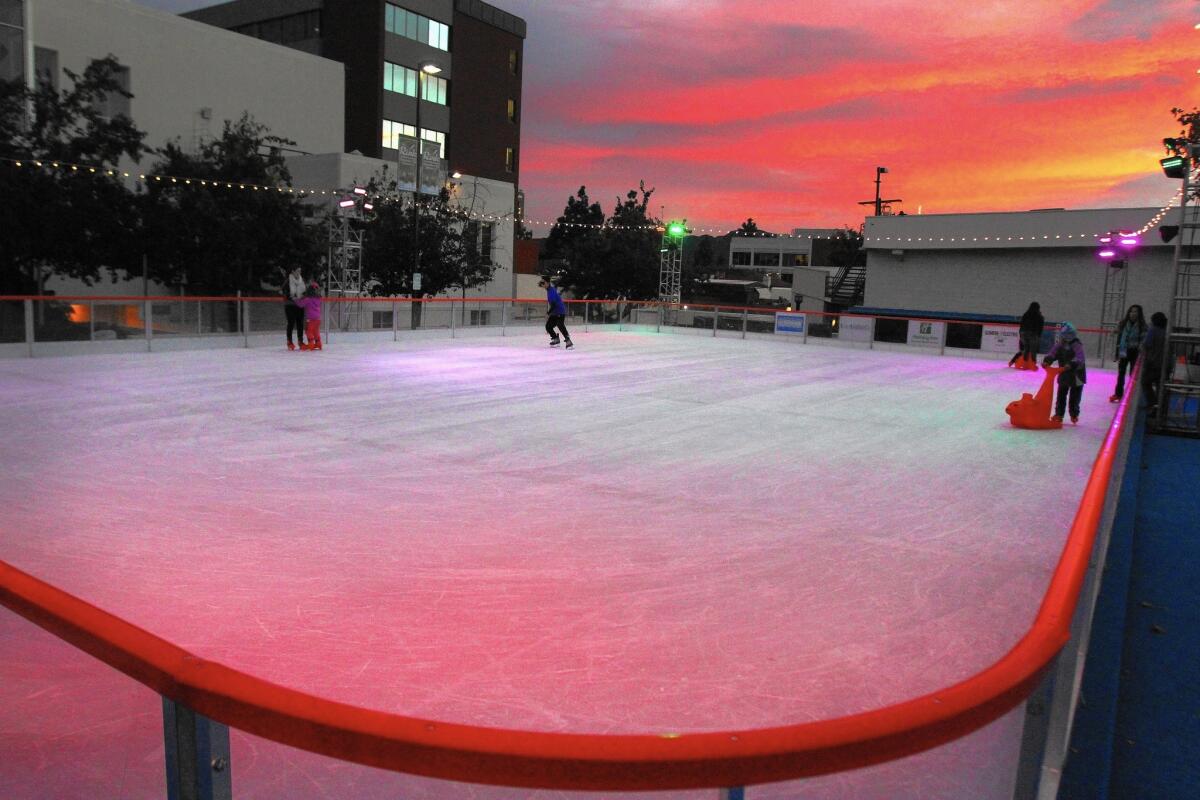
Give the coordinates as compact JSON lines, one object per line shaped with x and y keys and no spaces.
{"x":658,"y":325}
{"x":395,"y":322}
{"x":199,"y":318}
{"x":452,"y":318}
{"x":148,"y":322}
{"x":871,"y":338}
{"x":91,"y":320}
{"x":942,"y":344}
{"x":745,"y":316}
{"x":620,"y":316}
{"x":197,"y":755}
{"x":29,"y":325}
{"x":244,"y":320}
{"x":587,"y":315}
{"x":716,"y":319}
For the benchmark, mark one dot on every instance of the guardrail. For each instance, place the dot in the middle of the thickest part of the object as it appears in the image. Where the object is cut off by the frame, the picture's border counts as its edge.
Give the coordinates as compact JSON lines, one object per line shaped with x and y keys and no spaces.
{"x":203,"y":696}
{"x":43,"y":323}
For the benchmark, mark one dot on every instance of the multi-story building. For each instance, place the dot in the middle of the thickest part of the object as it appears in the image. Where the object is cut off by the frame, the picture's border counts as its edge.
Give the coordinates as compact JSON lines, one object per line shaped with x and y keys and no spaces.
{"x":471,"y":106}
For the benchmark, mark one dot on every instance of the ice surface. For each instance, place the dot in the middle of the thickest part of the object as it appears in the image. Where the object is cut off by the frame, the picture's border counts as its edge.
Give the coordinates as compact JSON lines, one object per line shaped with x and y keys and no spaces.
{"x":652,"y":533}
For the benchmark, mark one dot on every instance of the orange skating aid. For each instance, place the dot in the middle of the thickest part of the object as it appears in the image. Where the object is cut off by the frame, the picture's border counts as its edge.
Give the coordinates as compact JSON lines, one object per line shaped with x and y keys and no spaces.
{"x":1034,"y":412}
{"x":1028,"y":362}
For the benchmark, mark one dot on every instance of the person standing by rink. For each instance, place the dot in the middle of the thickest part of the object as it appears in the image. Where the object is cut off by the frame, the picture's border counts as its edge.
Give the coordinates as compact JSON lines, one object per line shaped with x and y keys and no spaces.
{"x":1153,"y":347}
{"x":1068,"y":351}
{"x":1129,"y":338}
{"x":556,"y":319}
{"x":293,"y":290}
{"x":311,"y":303}
{"x":1032,"y":325}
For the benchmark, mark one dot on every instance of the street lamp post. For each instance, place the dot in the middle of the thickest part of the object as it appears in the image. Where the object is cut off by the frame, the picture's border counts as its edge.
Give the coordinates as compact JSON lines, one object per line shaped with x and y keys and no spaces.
{"x":427,"y":68}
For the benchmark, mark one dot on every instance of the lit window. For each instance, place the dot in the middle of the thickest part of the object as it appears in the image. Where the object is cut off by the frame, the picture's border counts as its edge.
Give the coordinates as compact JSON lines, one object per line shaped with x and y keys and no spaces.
{"x":403,"y":22}
{"x":512,"y":110}
{"x":435,"y":136}
{"x":436,"y":89}
{"x":510,"y":159}
{"x":514,"y":63}
{"x":392,"y":131}
{"x":399,"y":79}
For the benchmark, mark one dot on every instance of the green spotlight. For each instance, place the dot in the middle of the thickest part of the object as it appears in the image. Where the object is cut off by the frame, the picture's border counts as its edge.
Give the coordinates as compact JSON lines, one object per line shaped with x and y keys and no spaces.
{"x":1173,"y":166}
{"x":676,"y":230}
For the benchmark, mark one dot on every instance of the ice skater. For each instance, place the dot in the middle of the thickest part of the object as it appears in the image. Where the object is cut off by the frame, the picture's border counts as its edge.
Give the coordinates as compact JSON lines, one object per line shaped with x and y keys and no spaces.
{"x":556,"y":319}
{"x":1153,"y":350}
{"x":1032,"y":325}
{"x":293,"y":290}
{"x":1068,"y":351}
{"x":311,"y":304}
{"x":1129,"y":338}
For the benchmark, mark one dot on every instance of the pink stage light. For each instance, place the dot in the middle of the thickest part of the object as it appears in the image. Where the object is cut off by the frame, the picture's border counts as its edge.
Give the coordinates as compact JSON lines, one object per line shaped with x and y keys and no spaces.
{"x":1107,"y":253}
{"x":345,"y":203}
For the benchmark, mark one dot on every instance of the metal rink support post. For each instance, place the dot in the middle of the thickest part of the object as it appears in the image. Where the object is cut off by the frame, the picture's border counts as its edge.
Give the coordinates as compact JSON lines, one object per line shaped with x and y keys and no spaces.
{"x":587,"y":315}
{"x":91,"y":320}
{"x":452,"y":319}
{"x":29,"y":325}
{"x":620,"y":317}
{"x":395,"y":322}
{"x":148,"y":323}
{"x":745,"y":317}
{"x":197,"y":755}
{"x":716,"y":319}
{"x":504,"y":318}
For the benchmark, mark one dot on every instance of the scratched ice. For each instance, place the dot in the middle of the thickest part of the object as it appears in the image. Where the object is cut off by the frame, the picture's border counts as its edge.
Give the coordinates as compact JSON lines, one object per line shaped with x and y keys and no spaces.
{"x":653,"y":533}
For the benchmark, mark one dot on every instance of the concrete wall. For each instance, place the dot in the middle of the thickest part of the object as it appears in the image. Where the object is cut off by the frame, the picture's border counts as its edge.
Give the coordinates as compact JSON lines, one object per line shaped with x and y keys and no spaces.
{"x":179,"y":66}
{"x":1068,"y":282}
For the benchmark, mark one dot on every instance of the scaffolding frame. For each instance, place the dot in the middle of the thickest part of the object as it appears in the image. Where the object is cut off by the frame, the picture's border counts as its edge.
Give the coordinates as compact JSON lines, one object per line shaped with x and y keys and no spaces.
{"x":1178,"y":410}
{"x":343,"y":277}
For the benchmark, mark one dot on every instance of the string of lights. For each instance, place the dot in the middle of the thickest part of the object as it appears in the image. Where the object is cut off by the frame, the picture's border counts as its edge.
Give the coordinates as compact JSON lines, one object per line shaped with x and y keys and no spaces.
{"x":226,"y":184}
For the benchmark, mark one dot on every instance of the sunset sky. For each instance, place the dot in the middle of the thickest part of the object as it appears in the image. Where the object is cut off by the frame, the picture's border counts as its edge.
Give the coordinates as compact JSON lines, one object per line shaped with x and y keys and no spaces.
{"x":781,"y":110}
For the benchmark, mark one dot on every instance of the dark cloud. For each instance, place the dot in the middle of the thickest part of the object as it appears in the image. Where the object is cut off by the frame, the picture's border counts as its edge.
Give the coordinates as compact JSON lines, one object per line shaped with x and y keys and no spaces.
{"x":1096,"y":88}
{"x":1123,"y":19}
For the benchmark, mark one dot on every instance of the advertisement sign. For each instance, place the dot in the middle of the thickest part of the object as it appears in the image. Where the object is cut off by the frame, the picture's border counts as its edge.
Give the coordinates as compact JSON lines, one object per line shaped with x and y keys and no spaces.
{"x":406,"y":163}
{"x":1000,"y":340}
{"x":856,"y":329}
{"x":793,"y":324}
{"x":432,"y":175}
{"x":926,"y":334}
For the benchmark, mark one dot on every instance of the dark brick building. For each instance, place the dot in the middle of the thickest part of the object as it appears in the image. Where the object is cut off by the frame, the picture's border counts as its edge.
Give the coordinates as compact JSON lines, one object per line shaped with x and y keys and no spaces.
{"x":472,"y":106}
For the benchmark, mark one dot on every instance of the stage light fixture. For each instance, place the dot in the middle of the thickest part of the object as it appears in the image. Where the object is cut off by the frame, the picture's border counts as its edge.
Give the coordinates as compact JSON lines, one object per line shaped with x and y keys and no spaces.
{"x":359,"y":190}
{"x":1168,"y":232}
{"x":1173,"y":166}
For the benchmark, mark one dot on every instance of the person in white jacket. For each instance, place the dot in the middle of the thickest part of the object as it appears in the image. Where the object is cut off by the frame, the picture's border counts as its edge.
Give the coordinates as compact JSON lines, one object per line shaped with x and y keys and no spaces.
{"x":293,"y":290}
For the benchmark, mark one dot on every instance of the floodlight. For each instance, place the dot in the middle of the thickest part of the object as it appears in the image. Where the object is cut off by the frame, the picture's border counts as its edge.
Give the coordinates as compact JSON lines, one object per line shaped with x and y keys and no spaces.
{"x":1107,"y":253}
{"x":359,"y":190}
{"x":1173,"y":166}
{"x":368,"y":206}
{"x":347,"y":203}
{"x":430,"y":68}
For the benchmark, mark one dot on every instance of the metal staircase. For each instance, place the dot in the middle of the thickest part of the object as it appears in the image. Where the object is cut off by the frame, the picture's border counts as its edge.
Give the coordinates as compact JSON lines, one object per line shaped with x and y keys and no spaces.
{"x":847,"y":287}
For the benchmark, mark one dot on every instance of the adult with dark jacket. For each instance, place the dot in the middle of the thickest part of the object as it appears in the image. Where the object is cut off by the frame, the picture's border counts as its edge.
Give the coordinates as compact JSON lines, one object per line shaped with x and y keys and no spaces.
{"x":293,"y":290}
{"x":1130,"y":333}
{"x":1032,"y":325}
{"x":1153,"y":347}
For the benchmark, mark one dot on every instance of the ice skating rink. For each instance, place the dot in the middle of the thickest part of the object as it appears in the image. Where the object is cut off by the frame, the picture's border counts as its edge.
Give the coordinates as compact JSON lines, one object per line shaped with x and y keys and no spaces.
{"x":651,"y":533}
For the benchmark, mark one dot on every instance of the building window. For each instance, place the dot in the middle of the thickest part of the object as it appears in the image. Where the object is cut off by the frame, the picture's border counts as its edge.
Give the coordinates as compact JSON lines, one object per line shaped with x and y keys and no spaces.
{"x":514,"y":62}
{"x":512,"y":110}
{"x":481,"y":317}
{"x":116,"y":103}
{"x":510,"y":160}
{"x":740,"y":258}
{"x":392,"y":131}
{"x":795,"y":259}
{"x":410,"y":25}
{"x":487,"y":234}
{"x":437,"y":90}
{"x":401,"y":80}
{"x":381,"y":319}
{"x":45,"y":66}
{"x":766,"y":259}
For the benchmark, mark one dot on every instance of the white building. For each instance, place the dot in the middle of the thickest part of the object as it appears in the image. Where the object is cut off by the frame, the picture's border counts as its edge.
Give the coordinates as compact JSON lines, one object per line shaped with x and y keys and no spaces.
{"x":995,"y":264}
{"x":788,"y":266}
{"x":186,"y":77}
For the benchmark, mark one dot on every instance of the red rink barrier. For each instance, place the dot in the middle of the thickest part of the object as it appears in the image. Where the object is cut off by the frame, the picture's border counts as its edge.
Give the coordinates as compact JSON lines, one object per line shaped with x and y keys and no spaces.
{"x":653,"y":761}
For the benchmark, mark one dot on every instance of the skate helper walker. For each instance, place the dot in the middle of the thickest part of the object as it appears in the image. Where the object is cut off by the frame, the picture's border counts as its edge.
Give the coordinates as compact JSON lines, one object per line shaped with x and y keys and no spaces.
{"x":311,"y":303}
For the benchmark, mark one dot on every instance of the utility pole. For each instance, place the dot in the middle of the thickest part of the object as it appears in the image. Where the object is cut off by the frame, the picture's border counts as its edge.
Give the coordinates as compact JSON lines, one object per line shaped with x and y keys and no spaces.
{"x":877,"y":202}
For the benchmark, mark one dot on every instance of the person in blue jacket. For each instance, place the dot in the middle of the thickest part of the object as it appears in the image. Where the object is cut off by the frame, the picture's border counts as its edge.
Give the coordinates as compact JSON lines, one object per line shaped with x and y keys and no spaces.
{"x":558,"y":313}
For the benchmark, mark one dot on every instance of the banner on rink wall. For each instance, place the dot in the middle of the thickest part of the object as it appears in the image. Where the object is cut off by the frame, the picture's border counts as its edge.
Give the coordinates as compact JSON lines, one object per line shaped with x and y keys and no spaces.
{"x":855,"y":329}
{"x":926,"y":334}
{"x":790,"y":323}
{"x":1000,"y":340}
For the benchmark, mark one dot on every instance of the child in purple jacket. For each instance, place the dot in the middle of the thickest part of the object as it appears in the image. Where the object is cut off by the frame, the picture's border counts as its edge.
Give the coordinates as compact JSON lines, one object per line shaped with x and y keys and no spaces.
{"x":311,"y":303}
{"x":1068,"y":351}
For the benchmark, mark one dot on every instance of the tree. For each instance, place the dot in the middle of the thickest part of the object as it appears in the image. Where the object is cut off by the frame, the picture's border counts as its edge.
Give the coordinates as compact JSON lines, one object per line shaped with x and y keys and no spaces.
{"x":76,"y":219}
{"x":223,"y":240}
{"x":844,"y":249}
{"x":449,"y":246}
{"x":748,"y":228}
{"x":606,"y":260}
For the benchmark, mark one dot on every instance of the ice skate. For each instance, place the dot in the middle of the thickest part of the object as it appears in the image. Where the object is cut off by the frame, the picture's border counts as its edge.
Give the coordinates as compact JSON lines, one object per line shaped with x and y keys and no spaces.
{"x":1116,"y":398}
{"x":570,"y":344}
{"x":292,"y":346}
{"x":1056,"y":419}
{"x":1074,"y":420}
{"x":554,"y":342}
